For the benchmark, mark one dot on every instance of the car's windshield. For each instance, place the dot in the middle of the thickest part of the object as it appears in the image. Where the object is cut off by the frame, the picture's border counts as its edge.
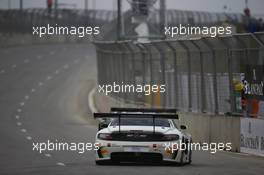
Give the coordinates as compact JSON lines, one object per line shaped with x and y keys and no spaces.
{"x":140,"y":122}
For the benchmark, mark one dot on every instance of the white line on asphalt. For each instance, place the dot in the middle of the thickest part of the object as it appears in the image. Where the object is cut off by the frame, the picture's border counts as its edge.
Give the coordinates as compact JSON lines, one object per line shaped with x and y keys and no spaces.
{"x":33,"y":90}
{"x":49,"y":77}
{"x":19,"y":123}
{"x":17,"y":117}
{"x":76,"y":61}
{"x":19,"y":110}
{"x":60,"y":164}
{"x":91,"y":101}
{"x":23,"y":130}
{"x":40,"y":83}
{"x":26,"y":97}
{"x":22,"y":104}
{"x":66,"y":66}
{"x":57,"y":72}
{"x":48,"y":155}
{"x":29,"y":138}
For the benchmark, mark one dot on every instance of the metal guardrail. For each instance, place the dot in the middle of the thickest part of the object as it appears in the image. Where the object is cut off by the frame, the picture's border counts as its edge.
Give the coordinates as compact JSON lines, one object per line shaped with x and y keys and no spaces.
{"x":198,"y":74}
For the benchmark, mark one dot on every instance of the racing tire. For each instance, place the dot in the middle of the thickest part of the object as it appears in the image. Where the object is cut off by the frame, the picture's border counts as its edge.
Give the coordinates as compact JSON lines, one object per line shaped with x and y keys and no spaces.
{"x":190,"y":155}
{"x":181,"y":159}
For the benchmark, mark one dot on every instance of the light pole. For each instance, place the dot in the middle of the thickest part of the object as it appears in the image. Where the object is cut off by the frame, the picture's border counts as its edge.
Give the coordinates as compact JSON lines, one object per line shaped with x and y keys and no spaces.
{"x":162,"y":16}
{"x":119,"y":18}
{"x":21,"y":4}
{"x":56,"y":8}
{"x":86,"y":5}
{"x":9,"y":4}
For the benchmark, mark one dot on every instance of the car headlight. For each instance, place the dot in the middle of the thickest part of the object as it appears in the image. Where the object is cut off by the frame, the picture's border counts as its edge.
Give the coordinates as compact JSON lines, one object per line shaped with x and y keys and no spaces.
{"x":171,"y":137}
{"x":105,"y":136}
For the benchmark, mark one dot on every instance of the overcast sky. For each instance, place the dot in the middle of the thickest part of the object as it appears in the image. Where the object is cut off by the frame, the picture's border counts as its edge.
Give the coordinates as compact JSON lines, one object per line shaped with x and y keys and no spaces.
{"x":237,"y":6}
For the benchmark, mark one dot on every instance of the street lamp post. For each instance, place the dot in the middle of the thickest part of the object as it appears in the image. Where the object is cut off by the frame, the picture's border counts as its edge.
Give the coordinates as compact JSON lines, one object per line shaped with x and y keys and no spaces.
{"x":119,"y":18}
{"x":21,"y":4}
{"x":9,"y":4}
{"x":86,"y":5}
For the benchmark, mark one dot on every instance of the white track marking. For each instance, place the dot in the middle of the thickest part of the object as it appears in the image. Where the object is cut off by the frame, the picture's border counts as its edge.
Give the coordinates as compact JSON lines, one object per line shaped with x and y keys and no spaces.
{"x":29,"y":138}
{"x":23,"y":130}
{"x":22,"y":104}
{"x":60,"y":164}
{"x":76,"y":61}
{"x":91,"y":101}
{"x":19,"y":110}
{"x":48,"y":155}
{"x":19,"y":123}
{"x":33,"y":90}
{"x":40,"y":83}
{"x":26,"y":97}
{"x":66,"y":66}
{"x":57,"y":72}
{"x":17,"y":117}
{"x":49,"y":77}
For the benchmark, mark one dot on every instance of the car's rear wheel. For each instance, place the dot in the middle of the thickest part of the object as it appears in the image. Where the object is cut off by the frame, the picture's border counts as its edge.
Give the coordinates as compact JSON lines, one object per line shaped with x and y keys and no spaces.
{"x":190,"y":157}
{"x":190,"y":154}
{"x":181,"y":158}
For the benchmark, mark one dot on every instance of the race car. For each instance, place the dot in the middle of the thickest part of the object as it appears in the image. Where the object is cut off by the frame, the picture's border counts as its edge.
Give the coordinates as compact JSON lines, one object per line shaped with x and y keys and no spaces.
{"x":141,"y":135}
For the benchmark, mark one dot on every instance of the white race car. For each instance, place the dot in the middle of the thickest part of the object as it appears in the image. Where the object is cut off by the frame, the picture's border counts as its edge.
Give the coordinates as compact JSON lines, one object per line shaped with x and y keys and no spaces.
{"x":145,"y":135}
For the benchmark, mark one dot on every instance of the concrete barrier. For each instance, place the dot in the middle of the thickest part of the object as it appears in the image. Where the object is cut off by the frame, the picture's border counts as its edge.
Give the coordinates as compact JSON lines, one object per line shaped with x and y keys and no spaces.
{"x":213,"y":128}
{"x":203,"y":128}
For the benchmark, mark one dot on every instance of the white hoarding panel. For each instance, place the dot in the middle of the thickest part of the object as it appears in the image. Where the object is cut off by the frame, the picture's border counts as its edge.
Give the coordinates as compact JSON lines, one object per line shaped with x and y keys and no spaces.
{"x":252,"y":136}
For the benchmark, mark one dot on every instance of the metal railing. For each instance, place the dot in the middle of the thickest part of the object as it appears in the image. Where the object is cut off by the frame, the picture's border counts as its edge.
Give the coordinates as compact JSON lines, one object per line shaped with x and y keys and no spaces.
{"x":199,"y":74}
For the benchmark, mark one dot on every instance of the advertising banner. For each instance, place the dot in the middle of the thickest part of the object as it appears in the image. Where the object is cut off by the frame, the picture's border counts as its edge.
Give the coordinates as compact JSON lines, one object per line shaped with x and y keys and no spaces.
{"x":252,"y":136}
{"x":254,"y":86}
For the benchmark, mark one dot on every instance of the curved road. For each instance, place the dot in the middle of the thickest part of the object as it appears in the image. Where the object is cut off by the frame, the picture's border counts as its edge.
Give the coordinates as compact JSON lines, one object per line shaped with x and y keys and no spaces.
{"x":43,"y":96}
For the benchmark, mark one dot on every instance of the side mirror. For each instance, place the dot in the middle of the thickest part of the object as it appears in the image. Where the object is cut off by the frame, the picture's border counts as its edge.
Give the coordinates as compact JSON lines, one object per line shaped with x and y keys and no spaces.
{"x":102,"y":125}
{"x":183,"y":127}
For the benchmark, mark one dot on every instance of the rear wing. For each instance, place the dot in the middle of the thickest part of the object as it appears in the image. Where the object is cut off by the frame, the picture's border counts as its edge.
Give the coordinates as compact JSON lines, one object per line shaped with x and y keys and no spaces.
{"x":145,"y":110}
{"x":135,"y":115}
{"x":139,"y":113}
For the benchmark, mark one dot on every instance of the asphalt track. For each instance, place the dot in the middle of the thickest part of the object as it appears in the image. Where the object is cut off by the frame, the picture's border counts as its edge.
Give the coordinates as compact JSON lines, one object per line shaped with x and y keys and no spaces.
{"x":43,"y":96}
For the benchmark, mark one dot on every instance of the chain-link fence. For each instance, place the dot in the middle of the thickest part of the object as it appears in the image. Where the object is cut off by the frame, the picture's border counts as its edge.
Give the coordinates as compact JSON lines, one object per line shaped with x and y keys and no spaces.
{"x":200,"y":75}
